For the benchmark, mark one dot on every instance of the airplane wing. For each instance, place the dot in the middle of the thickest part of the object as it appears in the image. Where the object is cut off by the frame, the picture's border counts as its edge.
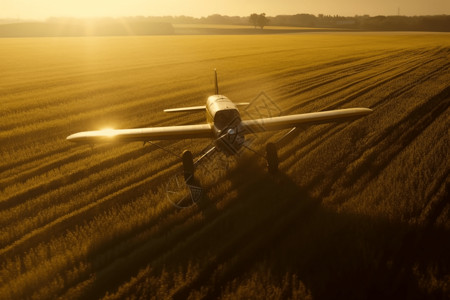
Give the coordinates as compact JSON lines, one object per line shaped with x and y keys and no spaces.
{"x":143,"y":134}
{"x":290,"y":121}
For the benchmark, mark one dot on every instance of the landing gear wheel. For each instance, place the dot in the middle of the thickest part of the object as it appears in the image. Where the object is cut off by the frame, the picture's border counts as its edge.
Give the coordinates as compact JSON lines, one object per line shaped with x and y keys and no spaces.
{"x":272,"y":158}
{"x":188,"y":166}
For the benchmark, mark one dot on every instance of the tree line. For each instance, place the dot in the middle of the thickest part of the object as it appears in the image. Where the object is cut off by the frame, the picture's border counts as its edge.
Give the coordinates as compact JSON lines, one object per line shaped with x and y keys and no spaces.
{"x":163,"y":24}
{"x":365,"y":22}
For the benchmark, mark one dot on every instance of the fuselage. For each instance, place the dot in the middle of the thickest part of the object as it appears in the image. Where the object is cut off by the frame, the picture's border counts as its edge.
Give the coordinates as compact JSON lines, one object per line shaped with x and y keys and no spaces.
{"x":225,"y":119}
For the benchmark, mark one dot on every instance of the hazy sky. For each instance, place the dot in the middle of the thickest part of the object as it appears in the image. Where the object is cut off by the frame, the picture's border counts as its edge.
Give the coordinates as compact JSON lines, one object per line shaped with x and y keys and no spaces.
{"x":86,"y":8}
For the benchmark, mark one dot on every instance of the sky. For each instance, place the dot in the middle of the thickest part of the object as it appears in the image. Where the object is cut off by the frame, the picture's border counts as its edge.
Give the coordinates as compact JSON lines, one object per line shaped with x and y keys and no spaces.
{"x":42,"y":9}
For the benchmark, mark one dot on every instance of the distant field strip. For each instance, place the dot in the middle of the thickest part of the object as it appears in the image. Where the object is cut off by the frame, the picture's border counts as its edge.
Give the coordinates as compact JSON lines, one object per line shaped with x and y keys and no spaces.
{"x":96,"y":223}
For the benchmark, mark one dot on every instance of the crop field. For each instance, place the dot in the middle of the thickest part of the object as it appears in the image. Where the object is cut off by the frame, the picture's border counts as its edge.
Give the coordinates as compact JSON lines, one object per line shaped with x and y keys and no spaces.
{"x":359,"y":210}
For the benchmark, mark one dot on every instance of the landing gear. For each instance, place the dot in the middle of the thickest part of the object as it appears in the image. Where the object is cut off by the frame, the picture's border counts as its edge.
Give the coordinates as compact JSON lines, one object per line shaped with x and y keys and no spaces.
{"x":188,"y":166}
{"x":272,"y":158}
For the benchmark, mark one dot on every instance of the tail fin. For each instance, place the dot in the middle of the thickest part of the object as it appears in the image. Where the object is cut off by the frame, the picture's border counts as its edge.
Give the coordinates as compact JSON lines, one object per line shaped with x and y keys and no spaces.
{"x":216,"y":83}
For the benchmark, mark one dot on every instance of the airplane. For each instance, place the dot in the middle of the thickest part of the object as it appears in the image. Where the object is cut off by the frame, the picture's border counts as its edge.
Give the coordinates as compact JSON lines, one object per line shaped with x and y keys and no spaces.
{"x":223,"y":125}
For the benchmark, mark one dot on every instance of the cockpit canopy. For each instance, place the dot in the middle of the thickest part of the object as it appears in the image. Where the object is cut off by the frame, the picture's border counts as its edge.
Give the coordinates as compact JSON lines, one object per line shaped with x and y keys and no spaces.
{"x":222,"y":112}
{"x":228,"y":118}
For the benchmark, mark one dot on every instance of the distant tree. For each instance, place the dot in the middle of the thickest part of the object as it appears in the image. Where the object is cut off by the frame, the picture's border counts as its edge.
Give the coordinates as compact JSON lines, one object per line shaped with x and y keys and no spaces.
{"x":262,"y":20}
{"x":254,"y":19}
{"x":259,"y":20}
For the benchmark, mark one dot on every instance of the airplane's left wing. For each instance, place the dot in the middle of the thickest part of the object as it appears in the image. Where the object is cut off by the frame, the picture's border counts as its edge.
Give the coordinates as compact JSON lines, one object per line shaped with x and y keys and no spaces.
{"x":142,"y":134}
{"x":290,"y":121}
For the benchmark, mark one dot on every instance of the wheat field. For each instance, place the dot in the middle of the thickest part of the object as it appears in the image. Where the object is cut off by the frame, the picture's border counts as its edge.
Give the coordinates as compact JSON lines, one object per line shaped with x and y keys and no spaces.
{"x":358,"y":210}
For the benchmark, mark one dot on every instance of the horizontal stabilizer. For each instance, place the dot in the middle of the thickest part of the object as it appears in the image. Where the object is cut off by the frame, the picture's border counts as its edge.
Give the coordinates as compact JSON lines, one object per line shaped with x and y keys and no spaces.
{"x":242,"y":103}
{"x":197,"y":108}
{"x":186,"y":109}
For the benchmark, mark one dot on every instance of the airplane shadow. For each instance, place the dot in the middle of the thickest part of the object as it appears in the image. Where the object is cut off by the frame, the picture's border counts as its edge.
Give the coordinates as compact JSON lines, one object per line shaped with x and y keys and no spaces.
{"x":274,"y":224}
{"x":251,"y":221}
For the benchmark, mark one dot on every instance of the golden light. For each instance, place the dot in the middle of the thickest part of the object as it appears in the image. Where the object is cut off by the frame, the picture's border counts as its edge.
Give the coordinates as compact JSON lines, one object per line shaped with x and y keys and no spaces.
{"x":91,"y":8}
{"x":108,"y":132}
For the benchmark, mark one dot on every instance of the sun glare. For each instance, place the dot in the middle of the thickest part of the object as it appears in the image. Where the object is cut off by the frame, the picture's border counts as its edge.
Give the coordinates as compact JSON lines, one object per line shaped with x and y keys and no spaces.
{"x":109,"y":132}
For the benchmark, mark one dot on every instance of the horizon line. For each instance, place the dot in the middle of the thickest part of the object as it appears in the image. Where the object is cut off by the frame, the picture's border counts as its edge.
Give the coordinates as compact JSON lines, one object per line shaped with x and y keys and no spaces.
{"x":202,"y":17}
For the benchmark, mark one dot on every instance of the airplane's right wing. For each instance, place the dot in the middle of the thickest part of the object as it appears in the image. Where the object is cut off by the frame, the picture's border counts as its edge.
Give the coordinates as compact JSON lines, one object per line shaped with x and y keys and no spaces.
{"x":290,"y":121}
{"x":143,"y":134}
